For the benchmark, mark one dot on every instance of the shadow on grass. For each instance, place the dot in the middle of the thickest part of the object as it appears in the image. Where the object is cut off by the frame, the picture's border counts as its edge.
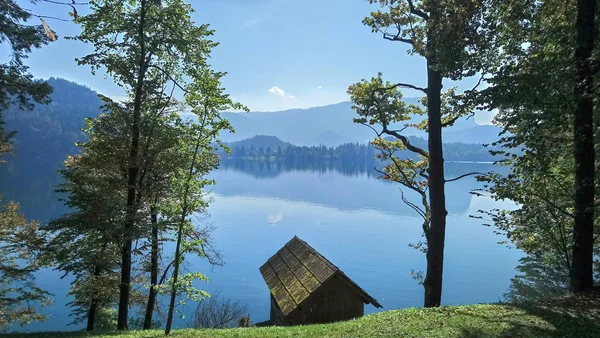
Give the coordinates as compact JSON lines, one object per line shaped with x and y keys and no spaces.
{"x":569,"y":316}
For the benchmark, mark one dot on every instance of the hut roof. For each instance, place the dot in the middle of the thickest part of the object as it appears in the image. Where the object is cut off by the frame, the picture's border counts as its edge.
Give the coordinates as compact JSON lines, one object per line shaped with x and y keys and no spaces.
{"x":297,"y":270}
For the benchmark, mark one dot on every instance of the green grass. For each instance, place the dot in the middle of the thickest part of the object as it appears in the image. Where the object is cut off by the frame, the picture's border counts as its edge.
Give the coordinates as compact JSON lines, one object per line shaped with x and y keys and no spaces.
{"x":565,"y":317}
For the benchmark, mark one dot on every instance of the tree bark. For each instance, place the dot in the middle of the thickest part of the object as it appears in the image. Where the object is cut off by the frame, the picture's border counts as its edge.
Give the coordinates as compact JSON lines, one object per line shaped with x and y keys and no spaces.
{"x":583,"y":231}
{"x":153,"y":269}
{"x":133,"y":171}
{"x":436,"y":234}
{"x":91,"y":318}
{"x":437,"y":200}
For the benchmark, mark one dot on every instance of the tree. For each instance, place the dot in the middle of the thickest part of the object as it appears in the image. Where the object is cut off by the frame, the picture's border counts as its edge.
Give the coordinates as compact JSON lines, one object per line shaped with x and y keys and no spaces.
{"x":538,"y":89}
{"x":142,"y":44}
{"x":87,"y":241}
{"x":542,"y":224}
{"x":21,"y":244}
{"x":218,"y":312}
{"x":446,"y":34}
{"x":269,"y":152}
{"x":207,"y":99}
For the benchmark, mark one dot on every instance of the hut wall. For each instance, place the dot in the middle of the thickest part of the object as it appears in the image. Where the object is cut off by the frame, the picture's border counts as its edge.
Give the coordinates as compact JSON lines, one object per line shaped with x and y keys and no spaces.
{"x":335,"y":300}
{"x":277,"y":317}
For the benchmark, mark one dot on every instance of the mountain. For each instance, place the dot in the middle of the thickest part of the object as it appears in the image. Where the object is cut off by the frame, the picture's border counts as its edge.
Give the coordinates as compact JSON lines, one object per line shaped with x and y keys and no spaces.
{"x":259,"y":141}
{"x":332,"y":125}
{"x":482,"y":134}
{"x":45,"y":137}
{"x":52,"y":129}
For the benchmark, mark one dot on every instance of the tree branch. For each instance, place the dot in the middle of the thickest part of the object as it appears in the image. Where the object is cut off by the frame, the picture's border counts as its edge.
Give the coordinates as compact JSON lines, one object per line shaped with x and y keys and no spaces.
{"x":403,"y":85}
{"x":395,"y":133}
{"x":170,"y":78}
{"x":451,"y":122}
{"x":397,"y":38}
{"x":373,"y":129}
{"x":554,"y":205}
{"x":164,"y":276}
{"x":417,"y":12}
{"x":72,"y":3}
{"x":412,"y":205}
{"x":46,"y":16}
{"x":463,"y":176}
{"x":406,"y":142}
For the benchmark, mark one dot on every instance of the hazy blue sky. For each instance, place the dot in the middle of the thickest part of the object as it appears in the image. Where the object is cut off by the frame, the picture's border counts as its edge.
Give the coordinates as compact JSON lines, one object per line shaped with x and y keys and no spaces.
{"x":279,"y":54}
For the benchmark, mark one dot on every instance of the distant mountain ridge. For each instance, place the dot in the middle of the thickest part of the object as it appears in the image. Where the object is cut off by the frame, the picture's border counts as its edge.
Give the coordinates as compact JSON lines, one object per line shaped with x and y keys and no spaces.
{"x":332,"y":125}
{"x":48,"y":133}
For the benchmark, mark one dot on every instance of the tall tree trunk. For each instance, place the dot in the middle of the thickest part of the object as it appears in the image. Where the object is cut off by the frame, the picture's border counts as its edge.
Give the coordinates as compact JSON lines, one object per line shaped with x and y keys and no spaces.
{"x":133,"y":171}
{"x":91,"y":317}
{"x":184,"y":211}
{"x":437,"y":230}
{"x":583,"y":231}
{"x":153,"y":268}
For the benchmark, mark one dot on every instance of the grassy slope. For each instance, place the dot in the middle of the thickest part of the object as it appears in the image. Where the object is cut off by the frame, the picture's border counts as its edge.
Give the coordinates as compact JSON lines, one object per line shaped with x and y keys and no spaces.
{"x":566,"y":317}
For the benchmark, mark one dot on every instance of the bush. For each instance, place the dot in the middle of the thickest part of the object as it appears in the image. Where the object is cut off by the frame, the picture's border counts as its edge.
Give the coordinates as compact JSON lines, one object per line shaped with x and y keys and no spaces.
{"x":217,"y":312}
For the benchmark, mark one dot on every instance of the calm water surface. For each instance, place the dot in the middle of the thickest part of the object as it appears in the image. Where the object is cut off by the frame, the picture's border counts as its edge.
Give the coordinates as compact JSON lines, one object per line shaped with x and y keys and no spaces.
{"x":357,"y":222}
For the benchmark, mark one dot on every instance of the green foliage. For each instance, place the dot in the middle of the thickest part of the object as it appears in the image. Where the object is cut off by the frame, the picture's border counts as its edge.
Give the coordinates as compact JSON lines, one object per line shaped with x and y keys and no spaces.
{"x":207,"y":100}
{"x":150,"y":48}
{"x":174,"y":155}
{"x":454,"y":36}
{"x":377,"y":102}
{"x":380,"y":104}
{"x":186,"y":291}
{"x":532,"y":80}
{"x":18,"y":85}
{"x":86,"y":243}
{"x":170,"y":46}
{"x":21,"y":244}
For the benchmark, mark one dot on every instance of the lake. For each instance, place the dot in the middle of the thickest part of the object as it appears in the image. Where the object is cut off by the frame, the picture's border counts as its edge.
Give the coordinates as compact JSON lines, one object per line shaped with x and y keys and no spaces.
{"x":356,"y":221}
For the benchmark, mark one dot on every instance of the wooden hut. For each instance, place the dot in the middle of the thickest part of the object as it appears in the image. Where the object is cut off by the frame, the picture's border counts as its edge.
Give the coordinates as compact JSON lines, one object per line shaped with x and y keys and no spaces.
{"x":306,"y":288}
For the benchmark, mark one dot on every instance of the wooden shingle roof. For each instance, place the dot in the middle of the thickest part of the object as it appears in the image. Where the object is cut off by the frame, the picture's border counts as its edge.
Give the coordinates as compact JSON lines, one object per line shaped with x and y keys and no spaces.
{"x":297,"y":270}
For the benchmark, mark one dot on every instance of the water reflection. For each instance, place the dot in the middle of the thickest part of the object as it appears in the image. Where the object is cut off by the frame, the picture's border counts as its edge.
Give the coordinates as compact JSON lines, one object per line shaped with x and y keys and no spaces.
{"x":33,"y":186}
{"x":338,"y":184}
{"x":261,"y":169}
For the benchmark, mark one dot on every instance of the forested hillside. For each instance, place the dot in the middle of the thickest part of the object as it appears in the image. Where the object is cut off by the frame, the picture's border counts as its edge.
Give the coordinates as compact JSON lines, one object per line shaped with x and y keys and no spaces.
{"x":48,"y":132}
{"x":273,"y":147}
